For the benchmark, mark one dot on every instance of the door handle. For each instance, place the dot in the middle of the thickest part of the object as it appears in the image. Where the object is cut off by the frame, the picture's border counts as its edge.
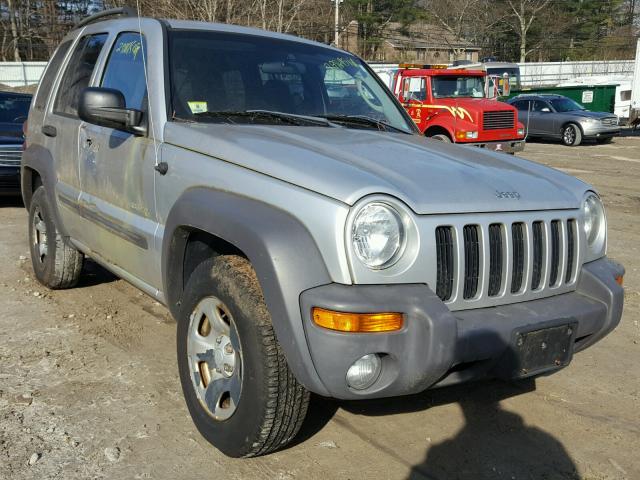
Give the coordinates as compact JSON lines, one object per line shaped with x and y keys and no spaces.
{"x":49,"y":130}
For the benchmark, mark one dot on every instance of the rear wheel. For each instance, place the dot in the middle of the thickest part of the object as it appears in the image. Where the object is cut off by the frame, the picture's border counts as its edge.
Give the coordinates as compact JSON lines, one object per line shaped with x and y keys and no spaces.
{"x":238,"y":387}
{"x":56,"y":263}
{"x":571,"y":135}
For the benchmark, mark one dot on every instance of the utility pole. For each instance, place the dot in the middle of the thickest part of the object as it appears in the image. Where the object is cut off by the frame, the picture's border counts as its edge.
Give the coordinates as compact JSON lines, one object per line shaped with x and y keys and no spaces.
{"x":634,"y":113}
{"x":336,"y":39}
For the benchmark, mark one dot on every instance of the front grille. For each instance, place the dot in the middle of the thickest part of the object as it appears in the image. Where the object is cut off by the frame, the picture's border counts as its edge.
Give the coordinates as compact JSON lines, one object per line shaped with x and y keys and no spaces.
{"x":471,"y":261}
{"x":498,"y":120}
{"x":519,"y":248}
{"x":610,"y":121}
{"x":538,"y":247}
{"x":445,"y":256}
{"x":10,"y":156}
{"x":495,"y":259}
{"x":507,"y":260}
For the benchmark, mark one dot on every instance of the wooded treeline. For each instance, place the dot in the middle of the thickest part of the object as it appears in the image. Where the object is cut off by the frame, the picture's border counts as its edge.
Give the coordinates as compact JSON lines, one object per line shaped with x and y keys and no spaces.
{"x":512,"y":30}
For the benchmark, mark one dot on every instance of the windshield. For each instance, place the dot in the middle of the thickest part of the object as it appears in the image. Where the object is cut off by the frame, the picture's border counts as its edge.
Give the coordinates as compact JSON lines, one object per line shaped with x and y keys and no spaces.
{"x":456,"y":87}
{"x":227,"y":72}
{"x":566,"y":105}
{"x":14,"y":109}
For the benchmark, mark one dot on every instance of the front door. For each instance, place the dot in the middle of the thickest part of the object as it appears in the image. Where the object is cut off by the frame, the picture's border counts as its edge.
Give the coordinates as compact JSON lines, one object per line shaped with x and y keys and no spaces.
{"x":117,"y":172}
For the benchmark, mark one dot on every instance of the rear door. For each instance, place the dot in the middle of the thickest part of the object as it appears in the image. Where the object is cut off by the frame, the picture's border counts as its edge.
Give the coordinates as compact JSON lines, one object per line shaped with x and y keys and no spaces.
{"x":61,"y":124}
{"x":117,"y":170}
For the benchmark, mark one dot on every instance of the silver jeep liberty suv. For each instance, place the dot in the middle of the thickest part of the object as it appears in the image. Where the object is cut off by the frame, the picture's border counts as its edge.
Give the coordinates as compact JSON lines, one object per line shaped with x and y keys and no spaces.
{"x":279,"y":201}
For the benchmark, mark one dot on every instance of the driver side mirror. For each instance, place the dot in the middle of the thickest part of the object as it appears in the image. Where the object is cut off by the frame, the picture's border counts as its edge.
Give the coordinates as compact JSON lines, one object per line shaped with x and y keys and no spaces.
{"x":107,"y":107}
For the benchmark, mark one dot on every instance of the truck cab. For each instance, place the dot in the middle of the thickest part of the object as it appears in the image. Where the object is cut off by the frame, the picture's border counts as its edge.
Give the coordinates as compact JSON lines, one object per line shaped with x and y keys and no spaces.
{"x":456,"y":105}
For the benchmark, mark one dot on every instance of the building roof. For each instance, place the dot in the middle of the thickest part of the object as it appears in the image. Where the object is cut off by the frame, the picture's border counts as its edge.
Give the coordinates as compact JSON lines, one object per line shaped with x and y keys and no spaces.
{"x":422,"y":35}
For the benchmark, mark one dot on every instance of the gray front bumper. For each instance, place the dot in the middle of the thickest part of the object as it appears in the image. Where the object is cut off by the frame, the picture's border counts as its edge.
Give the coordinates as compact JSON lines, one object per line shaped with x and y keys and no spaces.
{"x":438,"y":347}
{"x":506,"y":146}
{"x":599,"y":131}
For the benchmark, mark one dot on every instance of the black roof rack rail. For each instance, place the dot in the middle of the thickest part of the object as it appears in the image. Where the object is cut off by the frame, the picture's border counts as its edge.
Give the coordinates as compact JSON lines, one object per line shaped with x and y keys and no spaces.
{"x":123,"y":11}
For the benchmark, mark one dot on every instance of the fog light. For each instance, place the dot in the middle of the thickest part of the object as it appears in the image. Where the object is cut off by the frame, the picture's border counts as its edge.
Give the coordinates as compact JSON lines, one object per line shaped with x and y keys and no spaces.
{"x":364,"y":372}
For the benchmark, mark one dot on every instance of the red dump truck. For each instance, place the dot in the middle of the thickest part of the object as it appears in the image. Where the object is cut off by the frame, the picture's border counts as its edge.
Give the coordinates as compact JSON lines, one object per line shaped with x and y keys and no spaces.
{"x":456,"y":105}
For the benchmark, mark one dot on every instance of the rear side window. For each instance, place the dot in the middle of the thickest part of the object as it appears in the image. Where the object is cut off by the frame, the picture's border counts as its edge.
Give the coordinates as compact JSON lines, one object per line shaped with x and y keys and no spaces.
{"x":78,"y":73}
{"x":46,"y":82}
{"x":125,"y":69}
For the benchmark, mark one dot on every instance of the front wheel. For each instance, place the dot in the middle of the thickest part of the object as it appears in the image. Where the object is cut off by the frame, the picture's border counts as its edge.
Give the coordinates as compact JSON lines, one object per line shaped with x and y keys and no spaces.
{"x":238,"y":387}
{"x":441,"y":137}
{"x":571,"y":135}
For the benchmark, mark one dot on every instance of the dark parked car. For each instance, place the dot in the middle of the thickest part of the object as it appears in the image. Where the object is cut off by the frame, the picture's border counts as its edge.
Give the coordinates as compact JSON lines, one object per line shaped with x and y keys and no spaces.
{"x":555,"y":116}
{"x":14,"y":108}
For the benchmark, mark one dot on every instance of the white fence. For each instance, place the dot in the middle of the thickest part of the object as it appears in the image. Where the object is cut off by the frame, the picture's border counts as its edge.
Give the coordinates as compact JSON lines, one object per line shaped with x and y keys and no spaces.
{"x":552,"y":73}
{"x":20,"y":74}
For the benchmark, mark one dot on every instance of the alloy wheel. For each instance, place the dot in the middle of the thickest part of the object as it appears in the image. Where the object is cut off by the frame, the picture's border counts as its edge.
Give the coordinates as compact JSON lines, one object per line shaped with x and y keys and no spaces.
{"x":215,"y":358}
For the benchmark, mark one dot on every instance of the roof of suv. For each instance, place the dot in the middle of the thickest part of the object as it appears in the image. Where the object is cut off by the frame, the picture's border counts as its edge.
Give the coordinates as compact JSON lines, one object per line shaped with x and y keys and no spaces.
{"x":547,"y":96}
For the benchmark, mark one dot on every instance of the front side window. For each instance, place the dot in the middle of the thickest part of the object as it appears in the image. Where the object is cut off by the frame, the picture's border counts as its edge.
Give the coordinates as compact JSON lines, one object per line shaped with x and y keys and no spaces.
{"x":445,"y":86}
{"x":522,"y":105}
{"x":414,"y":89}
{"x":566,"y":105}
{"x":78,"y":73}
{"x":213,"y":73}
{"x":540,"y":106}
{"x":125,"y":69}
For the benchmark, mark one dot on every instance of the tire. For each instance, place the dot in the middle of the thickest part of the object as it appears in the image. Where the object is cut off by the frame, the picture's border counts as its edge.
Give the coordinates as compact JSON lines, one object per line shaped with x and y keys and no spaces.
{"x":56,"y":264}
{"x":257,"y":405}
{"x":571,"y":135}
{"x":440,"y":137}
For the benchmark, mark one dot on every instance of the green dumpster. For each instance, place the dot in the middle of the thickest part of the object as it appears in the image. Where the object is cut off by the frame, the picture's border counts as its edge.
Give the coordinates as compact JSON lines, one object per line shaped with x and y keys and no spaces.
{"x":597,"y":98}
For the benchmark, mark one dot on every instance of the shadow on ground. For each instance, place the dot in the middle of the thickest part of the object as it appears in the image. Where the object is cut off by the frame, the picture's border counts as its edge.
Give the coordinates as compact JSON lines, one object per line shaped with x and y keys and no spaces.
{"x":94,"y":274}
{"x":493,"y":443}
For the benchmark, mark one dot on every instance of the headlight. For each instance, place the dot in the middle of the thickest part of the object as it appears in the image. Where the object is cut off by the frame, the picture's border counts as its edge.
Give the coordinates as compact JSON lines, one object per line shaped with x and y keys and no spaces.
{"x":521,"y":132}
{"x":378,"y":235}
{"x":472,"y":134}
{"x":595,"y":226}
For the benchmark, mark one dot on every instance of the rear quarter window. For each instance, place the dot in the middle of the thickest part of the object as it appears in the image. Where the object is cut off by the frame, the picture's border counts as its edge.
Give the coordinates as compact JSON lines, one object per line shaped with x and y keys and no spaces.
{"x":49,"y":76}
{"x":78,"y":73}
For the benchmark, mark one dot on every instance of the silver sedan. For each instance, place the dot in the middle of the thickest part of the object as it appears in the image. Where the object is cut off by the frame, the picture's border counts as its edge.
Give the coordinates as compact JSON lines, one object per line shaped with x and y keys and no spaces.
{"x":559,"y":117}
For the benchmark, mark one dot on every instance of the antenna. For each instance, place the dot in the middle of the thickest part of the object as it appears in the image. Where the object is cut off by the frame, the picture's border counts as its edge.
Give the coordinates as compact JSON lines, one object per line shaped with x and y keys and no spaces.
{"x":146,"y":82}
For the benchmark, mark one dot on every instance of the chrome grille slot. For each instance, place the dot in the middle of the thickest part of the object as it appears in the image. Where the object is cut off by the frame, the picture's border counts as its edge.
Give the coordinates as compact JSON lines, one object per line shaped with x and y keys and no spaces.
{"x":498,"y":120}
{"x":571,"y":250}
{"x":10,"y":155}
{"x":495,"y":259}
{"x":471,"y":260}
{"x":445,"y":260}
{"x":555,"y":252}
{"x":538,"y":260}
{"x":519,"y":249}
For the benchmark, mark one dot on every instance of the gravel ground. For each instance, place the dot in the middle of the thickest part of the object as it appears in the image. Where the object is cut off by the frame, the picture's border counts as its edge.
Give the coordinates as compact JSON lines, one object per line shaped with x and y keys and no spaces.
{"x":89,"y":385}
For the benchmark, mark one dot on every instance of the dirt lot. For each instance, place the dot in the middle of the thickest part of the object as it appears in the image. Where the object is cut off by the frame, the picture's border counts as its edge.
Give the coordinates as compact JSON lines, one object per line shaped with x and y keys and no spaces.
{"x":89,"y":386}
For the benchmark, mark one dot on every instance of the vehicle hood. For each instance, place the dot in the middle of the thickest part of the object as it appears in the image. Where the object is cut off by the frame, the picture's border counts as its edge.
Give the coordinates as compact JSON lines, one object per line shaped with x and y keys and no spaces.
{"x":477,"y":104}
{"x":588,"y":114}
{"x":347,"y":164}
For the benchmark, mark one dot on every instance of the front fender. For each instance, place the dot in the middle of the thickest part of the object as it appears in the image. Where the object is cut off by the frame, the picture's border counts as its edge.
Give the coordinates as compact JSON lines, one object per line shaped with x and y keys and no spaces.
{"x":282,"y":251}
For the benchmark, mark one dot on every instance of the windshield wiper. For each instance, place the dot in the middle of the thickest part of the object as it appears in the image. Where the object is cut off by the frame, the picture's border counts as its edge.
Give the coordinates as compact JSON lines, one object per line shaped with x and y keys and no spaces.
{"x":364,"y":121}
{"x":290,"y":118}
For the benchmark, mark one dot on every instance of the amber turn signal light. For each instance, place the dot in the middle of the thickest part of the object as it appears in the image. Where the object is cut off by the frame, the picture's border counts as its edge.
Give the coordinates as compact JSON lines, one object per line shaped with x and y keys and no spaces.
{"x":620,"y":280}
{"x":357,"y":322}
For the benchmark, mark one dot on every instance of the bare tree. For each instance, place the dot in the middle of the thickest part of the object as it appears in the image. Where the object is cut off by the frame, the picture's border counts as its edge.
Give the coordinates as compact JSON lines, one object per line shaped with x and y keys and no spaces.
{"x":525,"y":12}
